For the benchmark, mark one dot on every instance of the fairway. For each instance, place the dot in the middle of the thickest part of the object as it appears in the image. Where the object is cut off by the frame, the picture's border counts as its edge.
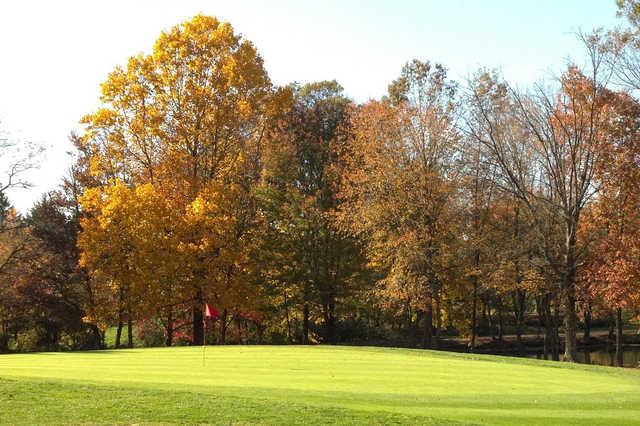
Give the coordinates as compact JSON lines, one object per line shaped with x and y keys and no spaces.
{"x":309,"y":385}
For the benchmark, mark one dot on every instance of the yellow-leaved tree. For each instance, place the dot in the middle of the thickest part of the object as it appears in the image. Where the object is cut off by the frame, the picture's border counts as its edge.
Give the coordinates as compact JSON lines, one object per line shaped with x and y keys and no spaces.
{"x":175,"y":148}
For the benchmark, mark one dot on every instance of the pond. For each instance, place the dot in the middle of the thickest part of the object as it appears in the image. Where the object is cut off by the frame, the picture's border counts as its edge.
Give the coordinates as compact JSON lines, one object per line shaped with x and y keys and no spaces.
{"x":630,"y":357}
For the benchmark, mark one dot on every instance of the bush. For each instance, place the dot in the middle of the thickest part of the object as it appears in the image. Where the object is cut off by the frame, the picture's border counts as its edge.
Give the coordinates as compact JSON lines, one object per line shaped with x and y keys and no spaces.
{"x":150,"y":332}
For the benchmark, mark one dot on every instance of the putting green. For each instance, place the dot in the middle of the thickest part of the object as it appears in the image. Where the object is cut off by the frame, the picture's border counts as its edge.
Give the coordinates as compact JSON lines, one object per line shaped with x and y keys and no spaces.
{"x":310,"y":385}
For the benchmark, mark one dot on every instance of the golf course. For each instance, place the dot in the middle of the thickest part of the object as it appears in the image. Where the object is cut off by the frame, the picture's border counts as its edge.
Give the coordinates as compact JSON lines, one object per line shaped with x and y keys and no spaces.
{"x":309,"y":385}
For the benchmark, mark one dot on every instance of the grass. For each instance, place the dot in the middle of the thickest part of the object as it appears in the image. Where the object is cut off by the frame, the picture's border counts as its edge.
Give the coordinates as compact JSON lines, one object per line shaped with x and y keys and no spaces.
{"x":309,"y":385}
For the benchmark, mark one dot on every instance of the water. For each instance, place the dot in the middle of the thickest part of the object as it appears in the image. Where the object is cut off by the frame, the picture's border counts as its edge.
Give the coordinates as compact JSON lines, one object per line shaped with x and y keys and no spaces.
{"x":630,"y":357}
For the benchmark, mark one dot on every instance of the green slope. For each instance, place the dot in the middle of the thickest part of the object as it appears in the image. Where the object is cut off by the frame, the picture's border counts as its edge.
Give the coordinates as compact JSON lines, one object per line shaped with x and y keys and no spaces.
{"x":310,"y":385}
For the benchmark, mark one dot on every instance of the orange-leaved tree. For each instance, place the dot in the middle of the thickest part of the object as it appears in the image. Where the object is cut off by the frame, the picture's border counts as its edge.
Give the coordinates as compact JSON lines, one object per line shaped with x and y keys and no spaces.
{"x":400,"y":183}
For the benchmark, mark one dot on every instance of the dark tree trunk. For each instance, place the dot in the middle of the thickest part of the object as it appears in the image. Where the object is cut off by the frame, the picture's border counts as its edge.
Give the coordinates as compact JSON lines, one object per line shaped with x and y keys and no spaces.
{"x":619,"y":339}
{"x":130,"y":331}
{"x":119,"y":333}
{"x":198,"y":326}
{"x":474,"y":325}
{"x":328,"y":311}
{"x":121,"y":306}
{"x":542,"y":303}
{"x":305,"y":324}
{"x":472,"y":343}
{"x":260,"y":332}
{"x":198,"y":320}
{"x":286,"y":310}
{"x":332,"y":323}
{"x":568,"y":287}
{"x":169,"y":328}
{"x":428,"y":325}
{"x":612,"y":326}
{"x":223,"y":326}
{"x":438,"y":323}
{"x":548,"y":327}
{"x":587,"y":325}
{"x":409,"y":315}
{"x":97,"y":335}
{"x":545,"y":343}
{"x":4,"y":338}
{"x":487,"y":303}
{"x":570,"y":326}
{"x":555,"y":352}
{"x":519,"y":298}
{"x":500,"y":321}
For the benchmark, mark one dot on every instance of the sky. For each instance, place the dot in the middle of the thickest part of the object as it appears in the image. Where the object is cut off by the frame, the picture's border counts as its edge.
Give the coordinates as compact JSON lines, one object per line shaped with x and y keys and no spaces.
{"x":55,"y":55}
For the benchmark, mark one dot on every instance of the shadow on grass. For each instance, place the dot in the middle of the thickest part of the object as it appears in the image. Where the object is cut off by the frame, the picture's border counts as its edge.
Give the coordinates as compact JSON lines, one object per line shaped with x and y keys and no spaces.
{"x":49,"y":402}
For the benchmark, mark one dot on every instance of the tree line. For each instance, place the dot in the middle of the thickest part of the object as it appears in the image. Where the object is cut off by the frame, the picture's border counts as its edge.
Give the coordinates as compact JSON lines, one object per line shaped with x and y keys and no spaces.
{"x":300,"y":216}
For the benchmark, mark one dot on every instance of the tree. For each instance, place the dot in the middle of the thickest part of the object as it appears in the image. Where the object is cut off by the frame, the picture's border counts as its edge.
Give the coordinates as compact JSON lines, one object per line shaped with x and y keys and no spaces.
{"x":400,"y":183}
{"x":614,"y":261}
{"x":16,"y":159}
{"x":564,"y":132}
{"x":298,"y":195}
{"x":185,"y":119}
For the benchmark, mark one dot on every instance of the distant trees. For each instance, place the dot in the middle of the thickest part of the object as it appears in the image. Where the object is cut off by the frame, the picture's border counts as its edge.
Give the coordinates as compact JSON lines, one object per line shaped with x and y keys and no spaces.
{"x":476,"y":210}
{"x":313,"y":261}
{"x":44,"y":291}
{"x":400,"y":181}
{"x":563,"y":134}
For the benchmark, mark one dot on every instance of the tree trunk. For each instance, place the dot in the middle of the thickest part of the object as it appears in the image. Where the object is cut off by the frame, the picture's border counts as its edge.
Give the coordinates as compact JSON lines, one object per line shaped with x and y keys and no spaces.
{"x":568,"y":287}
{"x":587,"y":325}
{"x":556,"y":335}
{"x":198,"y":326}
{"x":332,"y":323}
{"x":260,"y":332}
{"x":328,"y":311}
{"x":612,"y":326}
{"x":130,"y":331}
{"x":438,"y":323}
{"x":619,"y":337}
{"x":98,"y":336}
{"x":519,"y":298}
{"x":305,"y":324}
{"x":4,"y":338}
{"x":120,"y":315}
{"x":119,"y":333}
{"x":428,"y":325}
{"x":474,"y":325}
{"x":570,"y":327}
{"x":286,"y":311}
{"x":198,"y":320}
{"x":500,"y":321}
{"x":223,"y":326}
{"x":169,"y":328}
{"x":542,"y":306}
{"x":548,"y":327}
{"x":472,"y":343}
{"x":409,"y":315}
{"x":487,"y":303}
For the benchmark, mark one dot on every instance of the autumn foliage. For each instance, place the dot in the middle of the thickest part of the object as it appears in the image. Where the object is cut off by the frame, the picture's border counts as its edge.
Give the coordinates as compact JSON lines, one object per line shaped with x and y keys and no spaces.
{"x":440,"y":209}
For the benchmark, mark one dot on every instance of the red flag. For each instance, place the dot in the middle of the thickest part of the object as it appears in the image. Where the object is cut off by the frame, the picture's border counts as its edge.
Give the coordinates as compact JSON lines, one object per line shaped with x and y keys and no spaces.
{"x":210,"y":312}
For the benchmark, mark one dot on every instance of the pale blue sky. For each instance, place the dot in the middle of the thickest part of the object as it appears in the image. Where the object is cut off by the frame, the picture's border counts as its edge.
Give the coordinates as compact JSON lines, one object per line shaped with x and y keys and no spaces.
{"x":56,"y":54}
